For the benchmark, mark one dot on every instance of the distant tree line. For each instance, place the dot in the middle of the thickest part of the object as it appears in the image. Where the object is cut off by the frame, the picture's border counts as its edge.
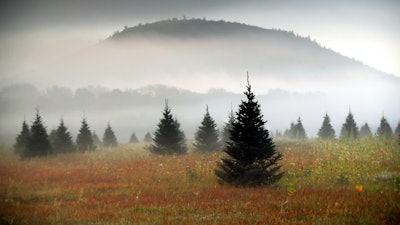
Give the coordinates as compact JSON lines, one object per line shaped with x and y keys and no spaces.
{"x":349,"y":130}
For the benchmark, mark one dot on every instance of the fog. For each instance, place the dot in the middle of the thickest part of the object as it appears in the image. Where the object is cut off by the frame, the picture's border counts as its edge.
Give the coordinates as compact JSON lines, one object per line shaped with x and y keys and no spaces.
{"x":125,"y":79}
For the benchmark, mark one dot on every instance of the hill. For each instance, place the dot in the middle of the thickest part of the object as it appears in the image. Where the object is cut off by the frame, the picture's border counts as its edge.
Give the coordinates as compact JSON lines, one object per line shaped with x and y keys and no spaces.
{"x":291,"y":75}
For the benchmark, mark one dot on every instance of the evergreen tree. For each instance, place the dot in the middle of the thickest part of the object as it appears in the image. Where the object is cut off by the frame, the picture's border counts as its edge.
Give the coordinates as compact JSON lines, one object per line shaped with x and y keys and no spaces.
{"x":384,"y":129}
{"x":252,"y":159}
{"x":168,"y":138}
{"x":38,"y":142}
{"x":299,"y":131}
{"x":133,"y":138}
{"x":21,"y":142}
{"x":397,"y":130}
{"x":349,"y":129}
{"x":326,"y":131}
{"x":147,"y":137}
{"x":84,"y":140}
{"x":226,"y":132}
{"x":109,"y":138}
{"x":206,"y":137}
{"x":62,"y":140}
{"x":365,"y":131}
{"x":96,"y":139}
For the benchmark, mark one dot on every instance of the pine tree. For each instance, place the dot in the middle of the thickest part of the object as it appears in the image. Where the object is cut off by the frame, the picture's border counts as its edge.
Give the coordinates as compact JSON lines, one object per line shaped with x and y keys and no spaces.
{"x":206,"y":137}
{"x":326,"y":131}
{"x":168,"y":138}
{"x":299,"y":131}
{"x":226,"y":132}
{"x":349,"y":129}
{"x":38,"y":142}
{"x":62,"y":140}
{"x":96,"y":139}
{"x":252,"y":159}
{"x":397,"y":132}
{"x":365,"y":131}
{"x":52,"y":136}
{"x":84,"y":140}
{"x":133,"y":138}
{"x":109,"y":138}
{"x":21,"y":142}
{"x":384,"y":129}
{"x":147,"y":137}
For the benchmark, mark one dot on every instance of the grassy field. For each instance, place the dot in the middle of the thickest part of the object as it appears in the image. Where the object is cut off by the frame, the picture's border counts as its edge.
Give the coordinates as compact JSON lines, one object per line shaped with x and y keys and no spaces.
{"x":325,"y":183}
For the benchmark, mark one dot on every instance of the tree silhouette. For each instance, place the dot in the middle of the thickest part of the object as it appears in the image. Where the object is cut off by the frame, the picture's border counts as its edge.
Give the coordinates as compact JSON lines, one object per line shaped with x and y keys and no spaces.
{"x":326,"y":131}
{"x":299,"y":131}
{"x":133,"y":138}
{"x":168,"y":138}
{"x":96,"y":139}
{"x":147,"y":137}
{"x":21,"y":141}
{"x":84,"y":140}
{"x":206,"y":137}
{"x":349,"y":129}
{"x":226,"y":132}
{"x":365,"y":131}
{"x":252,"y":159}
{"x":109,"y":138}
{"x":38,"y":142}
{"x":384,"y":130}
{"x":62,"y":140}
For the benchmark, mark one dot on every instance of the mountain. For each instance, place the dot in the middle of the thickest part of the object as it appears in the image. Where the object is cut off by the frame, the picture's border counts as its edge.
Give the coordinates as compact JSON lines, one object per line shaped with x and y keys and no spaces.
{"x":199,"y":62}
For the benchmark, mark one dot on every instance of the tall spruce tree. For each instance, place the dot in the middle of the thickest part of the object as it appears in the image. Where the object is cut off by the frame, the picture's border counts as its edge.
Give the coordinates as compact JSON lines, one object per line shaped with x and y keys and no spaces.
{"x":133,"y":138}
{"x":63,"y":140}
{"x":384,"y":130}
{"x":252,"y":159}
{"x":365,"y":131}
{"x":21,"y":141}
{"x":168,"y":138}
{"x":84,"y":140}
{"x":38,"y":142}
{"x":206,"y":137}
{"x":326,"y":131}
{"x":109,"y":138}
{"x":349,"y":129}
{"x":226,"y":131}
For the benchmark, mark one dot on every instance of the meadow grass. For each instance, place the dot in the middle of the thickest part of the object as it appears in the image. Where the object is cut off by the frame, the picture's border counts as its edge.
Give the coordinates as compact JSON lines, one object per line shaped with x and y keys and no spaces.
{"x":325,"y":183}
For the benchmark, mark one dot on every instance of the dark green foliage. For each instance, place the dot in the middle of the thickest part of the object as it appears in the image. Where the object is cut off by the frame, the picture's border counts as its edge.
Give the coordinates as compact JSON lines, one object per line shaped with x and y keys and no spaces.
{"x":21,"y":141}
{"x":168,"y":138}
{"x":109,"y":138}
{"x":38,"y":142}
{"x":397,"y":132}
{"x":84,"y":140}
{"x":384,"y":130}
{"x":148,"y":137}
{"x":52,"y":136}
{"x":349,"y":129}
{"x":326,"y":131}
{"x":206,"y":138}
{"x":226,"y":132}
{"x":252,"y":159}
{"x":133,"y":138}
{"x":62,"y":142}
{"x":365,"y":131}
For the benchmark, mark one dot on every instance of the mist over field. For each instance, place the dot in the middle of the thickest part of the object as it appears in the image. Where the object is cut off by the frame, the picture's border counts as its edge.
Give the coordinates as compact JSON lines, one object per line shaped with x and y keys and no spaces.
{"x":125,"y":80}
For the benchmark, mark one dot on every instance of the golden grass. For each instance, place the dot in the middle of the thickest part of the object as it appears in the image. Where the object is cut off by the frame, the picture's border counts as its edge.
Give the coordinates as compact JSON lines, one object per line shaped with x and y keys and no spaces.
{"x":128,"y":186}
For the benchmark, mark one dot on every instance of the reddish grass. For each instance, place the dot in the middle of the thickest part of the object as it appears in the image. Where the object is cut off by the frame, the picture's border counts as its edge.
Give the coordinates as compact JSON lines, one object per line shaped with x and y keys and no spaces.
{"x":127,"y":187}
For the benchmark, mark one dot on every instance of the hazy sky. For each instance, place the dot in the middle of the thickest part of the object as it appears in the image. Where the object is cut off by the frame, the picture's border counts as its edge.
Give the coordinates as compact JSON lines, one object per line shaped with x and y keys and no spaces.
{"x":35,"y":33}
